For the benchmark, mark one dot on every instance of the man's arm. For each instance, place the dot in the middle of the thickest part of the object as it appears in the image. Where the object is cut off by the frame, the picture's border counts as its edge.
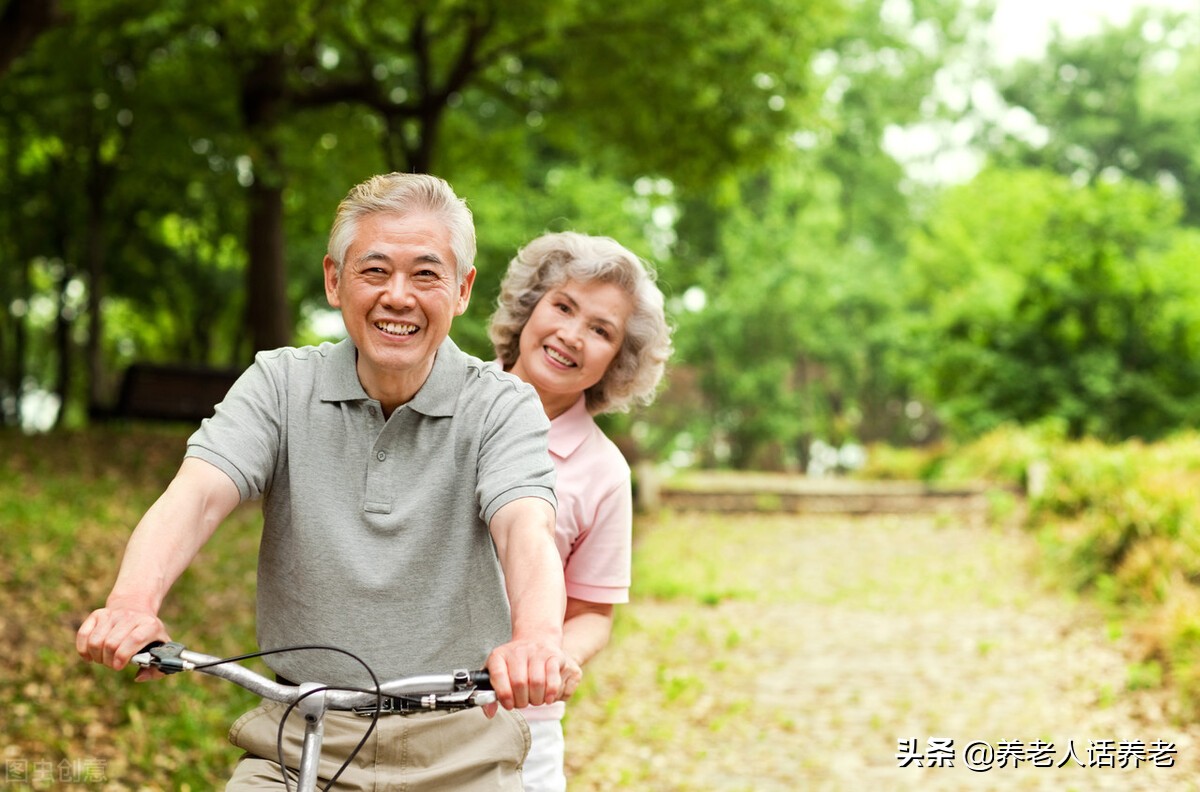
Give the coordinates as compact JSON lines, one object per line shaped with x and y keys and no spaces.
{"x":529,"y":669}
{"x":162,"y":546}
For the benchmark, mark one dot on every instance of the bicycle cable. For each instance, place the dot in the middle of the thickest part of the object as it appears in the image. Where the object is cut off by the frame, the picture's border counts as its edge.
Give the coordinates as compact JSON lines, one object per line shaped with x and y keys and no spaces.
{"x":288,"y":710}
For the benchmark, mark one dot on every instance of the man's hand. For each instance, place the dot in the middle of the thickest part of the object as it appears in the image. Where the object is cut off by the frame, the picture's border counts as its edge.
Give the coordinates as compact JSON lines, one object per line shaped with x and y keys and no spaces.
{"x":165,"y":541}
{"x":111,"y":636}
{"x":526,"y":673}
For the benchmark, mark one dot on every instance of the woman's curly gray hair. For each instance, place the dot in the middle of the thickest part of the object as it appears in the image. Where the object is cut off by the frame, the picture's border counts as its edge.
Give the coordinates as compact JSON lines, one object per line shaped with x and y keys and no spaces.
{"x":553,"y":259}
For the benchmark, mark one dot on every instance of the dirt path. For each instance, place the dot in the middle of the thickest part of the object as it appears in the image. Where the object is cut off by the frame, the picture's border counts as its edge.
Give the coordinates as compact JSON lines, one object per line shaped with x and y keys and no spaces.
{"x":832,"y":639}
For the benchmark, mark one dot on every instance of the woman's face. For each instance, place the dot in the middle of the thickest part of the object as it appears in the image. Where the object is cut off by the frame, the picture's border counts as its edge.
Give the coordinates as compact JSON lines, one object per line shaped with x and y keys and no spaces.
{"x":573,"y":334}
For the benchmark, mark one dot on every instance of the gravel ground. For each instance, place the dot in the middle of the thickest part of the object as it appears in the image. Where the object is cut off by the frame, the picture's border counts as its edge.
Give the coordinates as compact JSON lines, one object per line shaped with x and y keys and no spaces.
{"x":833,"y":639}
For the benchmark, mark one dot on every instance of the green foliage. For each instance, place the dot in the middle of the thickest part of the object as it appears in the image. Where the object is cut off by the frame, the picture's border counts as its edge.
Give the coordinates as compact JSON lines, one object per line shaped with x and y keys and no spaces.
{"x":145,"y":137}
{"x":799,"y":336}
{"x":1039,"y":299}
{"x":1118,"y":521}
{"x":1119,"y":102}
{"x":819,"y":293}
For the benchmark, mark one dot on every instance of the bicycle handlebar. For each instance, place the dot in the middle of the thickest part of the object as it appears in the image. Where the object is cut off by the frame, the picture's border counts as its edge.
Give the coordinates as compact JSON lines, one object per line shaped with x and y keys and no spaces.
{"x":455,"y":690}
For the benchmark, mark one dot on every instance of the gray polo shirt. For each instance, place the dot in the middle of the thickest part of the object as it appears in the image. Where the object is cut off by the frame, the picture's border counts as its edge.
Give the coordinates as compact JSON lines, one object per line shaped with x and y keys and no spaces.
{"x":375,"y":534}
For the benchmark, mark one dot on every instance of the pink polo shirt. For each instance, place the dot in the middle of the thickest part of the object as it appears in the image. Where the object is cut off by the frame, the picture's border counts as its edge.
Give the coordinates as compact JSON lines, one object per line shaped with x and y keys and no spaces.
{"x":594,"y":527}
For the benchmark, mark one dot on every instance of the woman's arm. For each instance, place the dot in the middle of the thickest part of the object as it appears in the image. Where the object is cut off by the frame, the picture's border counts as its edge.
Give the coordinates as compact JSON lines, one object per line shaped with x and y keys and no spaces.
{"x":586,"y":630}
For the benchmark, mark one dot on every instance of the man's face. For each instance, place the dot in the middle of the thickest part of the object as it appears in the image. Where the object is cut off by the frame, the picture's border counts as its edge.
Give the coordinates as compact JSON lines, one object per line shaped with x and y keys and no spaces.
{"x":398,"y":293}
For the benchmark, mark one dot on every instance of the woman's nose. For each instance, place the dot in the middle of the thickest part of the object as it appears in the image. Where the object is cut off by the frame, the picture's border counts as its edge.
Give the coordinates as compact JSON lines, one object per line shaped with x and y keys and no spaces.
{"x":572,"y":333}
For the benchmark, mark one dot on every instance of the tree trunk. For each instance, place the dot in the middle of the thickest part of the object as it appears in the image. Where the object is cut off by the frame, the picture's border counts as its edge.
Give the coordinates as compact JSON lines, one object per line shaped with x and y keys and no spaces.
{"x":98,"y":386}
{"x":21,"y":22}
{"x":268,"y":311}
{"x":62,"y":342}
{"x":268,"y":315}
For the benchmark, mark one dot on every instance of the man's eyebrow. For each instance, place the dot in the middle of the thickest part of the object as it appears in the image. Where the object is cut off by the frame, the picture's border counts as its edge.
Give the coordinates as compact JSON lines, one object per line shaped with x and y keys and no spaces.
{"x":431,"y":258}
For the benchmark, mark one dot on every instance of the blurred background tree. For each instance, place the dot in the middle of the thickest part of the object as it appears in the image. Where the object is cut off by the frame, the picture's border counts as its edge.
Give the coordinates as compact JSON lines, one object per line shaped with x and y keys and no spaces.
{"x":170,"y":170}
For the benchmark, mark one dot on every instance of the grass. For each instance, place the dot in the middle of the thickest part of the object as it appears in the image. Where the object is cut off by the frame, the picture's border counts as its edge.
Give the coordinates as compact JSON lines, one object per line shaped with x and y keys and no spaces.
{"x":68,"y":503}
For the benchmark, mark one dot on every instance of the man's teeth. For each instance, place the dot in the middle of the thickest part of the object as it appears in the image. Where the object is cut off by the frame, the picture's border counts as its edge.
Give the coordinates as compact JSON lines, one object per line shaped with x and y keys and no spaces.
{"x":555,"y":356}
{"x":396,"y":329}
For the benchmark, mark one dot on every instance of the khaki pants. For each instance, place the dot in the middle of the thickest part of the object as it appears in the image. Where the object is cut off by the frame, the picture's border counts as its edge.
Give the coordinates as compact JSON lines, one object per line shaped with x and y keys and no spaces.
{"x":460,"y":750}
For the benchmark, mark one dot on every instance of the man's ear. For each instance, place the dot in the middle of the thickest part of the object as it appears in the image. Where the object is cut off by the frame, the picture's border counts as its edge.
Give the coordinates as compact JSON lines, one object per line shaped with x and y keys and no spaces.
{"x":464,"y":292}
{"x":331,"y":283}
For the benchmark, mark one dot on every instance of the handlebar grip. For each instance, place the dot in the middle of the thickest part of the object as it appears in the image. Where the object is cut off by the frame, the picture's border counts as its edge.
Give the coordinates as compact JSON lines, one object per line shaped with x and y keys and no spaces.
{"x":481,"y":680}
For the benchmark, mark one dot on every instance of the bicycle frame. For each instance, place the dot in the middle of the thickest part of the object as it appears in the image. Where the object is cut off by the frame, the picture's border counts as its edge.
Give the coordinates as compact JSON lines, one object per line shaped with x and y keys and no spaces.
{"x":456,"y":690}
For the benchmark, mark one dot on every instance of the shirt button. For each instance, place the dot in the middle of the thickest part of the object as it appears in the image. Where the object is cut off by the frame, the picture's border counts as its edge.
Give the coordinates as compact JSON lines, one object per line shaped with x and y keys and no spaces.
{"x":382,"y":455}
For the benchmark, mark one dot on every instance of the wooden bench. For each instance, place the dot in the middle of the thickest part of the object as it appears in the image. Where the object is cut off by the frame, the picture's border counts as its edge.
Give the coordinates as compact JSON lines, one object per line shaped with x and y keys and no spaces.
{"x":171,"y":392}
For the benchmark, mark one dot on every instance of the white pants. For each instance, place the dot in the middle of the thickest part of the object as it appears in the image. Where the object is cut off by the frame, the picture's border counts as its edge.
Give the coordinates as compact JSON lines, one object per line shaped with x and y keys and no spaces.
{"x":544,"y":765}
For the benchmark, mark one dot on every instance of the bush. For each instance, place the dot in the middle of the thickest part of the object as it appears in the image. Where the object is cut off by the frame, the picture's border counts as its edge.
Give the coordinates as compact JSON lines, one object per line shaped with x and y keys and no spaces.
{"x":1118,"y":521}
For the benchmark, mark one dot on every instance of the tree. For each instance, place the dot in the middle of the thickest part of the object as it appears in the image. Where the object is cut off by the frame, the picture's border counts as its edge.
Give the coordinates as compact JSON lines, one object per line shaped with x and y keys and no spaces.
{"x":1044,"y":299}
{"x":1122,"y":101}
{"x":799,"y":337}
{"x":240,"y":95}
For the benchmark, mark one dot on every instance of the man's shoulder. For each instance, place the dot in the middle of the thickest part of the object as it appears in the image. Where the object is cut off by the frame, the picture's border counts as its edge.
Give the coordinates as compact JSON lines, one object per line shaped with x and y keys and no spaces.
{"x":301,"y":354}
{"x":490,"y":371}
{"x":300,"y":363}
{"x":296,"y":373}
{"x":492,"y":394}
{"x":487,"y":376}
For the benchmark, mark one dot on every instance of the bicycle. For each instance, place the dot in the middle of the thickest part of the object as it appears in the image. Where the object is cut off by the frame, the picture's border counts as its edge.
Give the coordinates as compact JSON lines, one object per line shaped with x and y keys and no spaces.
{"x":460,"y":689}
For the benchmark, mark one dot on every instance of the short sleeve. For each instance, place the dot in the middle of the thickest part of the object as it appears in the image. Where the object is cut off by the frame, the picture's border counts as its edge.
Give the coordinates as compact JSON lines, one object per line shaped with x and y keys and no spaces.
{"x":243,"y":438}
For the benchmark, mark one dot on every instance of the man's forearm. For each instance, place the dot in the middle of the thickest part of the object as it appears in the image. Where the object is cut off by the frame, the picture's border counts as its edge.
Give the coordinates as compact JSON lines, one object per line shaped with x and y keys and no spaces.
{"x":523,"y":532}
{"x":170,"y":534}
{"x":537,"y":596}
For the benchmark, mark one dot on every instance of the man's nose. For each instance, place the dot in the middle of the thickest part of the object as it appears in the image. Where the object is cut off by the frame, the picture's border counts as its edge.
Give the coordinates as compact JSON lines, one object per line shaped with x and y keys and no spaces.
{"x":398,"y":290}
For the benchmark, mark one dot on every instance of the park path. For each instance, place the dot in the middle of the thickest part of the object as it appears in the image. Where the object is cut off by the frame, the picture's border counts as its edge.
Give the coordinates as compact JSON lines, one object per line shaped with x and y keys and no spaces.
{"x":837,"y":638}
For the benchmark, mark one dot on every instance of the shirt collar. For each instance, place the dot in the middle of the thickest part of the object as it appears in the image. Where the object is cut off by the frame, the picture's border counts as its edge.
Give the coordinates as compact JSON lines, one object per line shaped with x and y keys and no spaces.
{"x":436,"y":397}
{"x":569,"y":430}
{"x":440,"y":392}
{"x":339,"y":379}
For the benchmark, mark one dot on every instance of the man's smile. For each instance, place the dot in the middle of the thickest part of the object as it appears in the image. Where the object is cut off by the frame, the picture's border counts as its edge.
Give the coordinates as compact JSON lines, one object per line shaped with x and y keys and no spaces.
{"x":397,"y":328}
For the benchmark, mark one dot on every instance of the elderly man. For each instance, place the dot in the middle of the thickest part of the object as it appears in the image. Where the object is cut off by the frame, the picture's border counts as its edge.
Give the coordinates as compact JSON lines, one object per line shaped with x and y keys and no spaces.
{"x":408,"y":505}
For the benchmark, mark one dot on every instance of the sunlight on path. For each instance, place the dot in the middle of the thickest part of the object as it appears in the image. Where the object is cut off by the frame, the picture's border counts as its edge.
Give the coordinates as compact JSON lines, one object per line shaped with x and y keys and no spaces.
{"x":827,"y":641}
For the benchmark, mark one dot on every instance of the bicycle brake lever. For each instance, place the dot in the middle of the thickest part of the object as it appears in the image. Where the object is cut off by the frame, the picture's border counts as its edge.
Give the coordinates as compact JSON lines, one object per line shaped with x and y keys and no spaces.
{"x":166,"y":657}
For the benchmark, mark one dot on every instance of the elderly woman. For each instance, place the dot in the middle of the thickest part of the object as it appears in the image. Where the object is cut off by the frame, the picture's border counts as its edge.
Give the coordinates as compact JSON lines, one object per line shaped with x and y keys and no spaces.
{"x":581,"y":319}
